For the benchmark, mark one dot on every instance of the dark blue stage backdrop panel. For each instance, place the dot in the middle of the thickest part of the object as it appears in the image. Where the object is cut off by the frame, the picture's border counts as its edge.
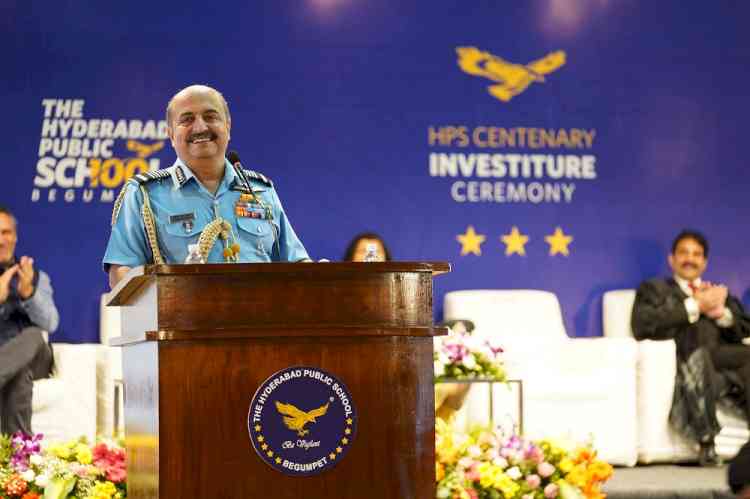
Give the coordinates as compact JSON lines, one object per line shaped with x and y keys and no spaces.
{"x":555,"y":145}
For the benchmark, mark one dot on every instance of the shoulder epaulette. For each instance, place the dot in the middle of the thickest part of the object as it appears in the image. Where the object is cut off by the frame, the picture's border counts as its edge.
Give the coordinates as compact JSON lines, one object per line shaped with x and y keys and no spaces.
{"x":144,"y":178}
{"x":259,"y":177}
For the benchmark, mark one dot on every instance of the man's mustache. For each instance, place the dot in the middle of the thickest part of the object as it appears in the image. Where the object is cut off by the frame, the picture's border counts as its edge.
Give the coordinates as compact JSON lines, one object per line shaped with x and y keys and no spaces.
{"x":689,"y":265}
{"x":202,"y":135}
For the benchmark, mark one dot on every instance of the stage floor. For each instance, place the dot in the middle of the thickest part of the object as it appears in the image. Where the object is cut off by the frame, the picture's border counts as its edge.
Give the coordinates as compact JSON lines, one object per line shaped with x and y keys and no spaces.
{"x":668,"y":482}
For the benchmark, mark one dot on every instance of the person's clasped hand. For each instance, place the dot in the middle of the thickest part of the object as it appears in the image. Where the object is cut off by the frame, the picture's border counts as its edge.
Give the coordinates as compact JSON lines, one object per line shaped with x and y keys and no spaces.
{"x":712,"y":299}
{"x":24,"y":269}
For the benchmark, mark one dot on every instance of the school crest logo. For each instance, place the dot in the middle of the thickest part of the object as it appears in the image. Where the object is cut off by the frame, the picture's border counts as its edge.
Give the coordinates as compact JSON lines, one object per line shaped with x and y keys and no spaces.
{"x":511,"y":79}
{"x":302,"y":421}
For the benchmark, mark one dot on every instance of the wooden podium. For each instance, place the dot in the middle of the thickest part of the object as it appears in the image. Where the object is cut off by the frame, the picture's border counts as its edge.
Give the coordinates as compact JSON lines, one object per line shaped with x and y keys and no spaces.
{"x":198,"y":341}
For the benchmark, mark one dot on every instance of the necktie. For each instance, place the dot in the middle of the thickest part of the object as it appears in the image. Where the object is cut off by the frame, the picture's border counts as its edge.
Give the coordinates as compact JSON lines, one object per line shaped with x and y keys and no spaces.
{"x":693,"y":287}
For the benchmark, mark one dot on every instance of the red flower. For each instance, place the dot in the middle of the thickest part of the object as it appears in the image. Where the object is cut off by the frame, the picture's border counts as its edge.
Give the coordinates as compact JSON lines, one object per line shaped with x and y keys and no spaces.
{"x":111,"y":462}
{"x":31,"y":495}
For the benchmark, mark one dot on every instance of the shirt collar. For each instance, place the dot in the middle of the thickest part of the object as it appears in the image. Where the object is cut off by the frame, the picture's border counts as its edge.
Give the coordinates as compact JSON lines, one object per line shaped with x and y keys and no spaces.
{"x":181,"y":175}
{"x":685,"y":284}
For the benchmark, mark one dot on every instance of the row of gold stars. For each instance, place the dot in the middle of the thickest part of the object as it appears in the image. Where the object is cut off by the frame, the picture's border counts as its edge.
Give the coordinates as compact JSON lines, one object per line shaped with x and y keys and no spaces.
{"x":264,"y":446}
{"x":515,"y":242}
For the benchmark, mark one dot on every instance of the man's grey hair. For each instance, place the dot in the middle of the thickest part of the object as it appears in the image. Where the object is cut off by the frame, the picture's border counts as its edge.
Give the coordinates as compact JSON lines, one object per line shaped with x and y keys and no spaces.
{"x":202,"y":88}
{"x":7,"y":212}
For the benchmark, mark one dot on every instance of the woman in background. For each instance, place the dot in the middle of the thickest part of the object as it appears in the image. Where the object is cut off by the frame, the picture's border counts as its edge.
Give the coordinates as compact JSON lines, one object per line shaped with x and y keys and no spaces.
{"x":357,"y":248}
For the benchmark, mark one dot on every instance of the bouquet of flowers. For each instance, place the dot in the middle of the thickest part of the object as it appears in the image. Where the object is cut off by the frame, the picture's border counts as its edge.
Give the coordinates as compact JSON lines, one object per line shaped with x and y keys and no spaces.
{"x":67,"y":470}
{"x":459,"y":355}
{"x":487,"y":464}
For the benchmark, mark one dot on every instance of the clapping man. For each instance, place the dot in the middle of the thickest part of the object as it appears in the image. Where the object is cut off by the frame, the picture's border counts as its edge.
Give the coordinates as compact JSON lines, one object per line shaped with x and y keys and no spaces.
{"x":27,"y":309}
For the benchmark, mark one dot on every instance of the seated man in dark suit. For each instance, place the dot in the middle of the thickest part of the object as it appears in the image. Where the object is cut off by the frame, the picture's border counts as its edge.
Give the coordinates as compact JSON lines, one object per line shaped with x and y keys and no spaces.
{"x":708,"y":326}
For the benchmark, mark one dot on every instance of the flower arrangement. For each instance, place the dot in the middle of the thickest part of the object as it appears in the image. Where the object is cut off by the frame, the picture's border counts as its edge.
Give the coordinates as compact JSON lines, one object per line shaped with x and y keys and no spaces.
{"x":75,"y":470}
{"x":459,"y":355}
{"x":487,"y":464}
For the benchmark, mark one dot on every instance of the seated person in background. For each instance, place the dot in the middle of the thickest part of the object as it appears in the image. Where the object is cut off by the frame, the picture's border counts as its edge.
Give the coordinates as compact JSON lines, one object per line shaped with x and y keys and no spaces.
{"x":357,"y":248}
{"x":159,"y":215}
{"x":708,"y":326}
{"x":26,"y":308}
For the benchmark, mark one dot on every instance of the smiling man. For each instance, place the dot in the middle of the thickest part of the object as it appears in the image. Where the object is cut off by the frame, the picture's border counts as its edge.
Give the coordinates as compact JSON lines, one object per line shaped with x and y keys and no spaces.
{"x":26,"y":308}
{"x":159,"y":216}
{"x":708,"y":326}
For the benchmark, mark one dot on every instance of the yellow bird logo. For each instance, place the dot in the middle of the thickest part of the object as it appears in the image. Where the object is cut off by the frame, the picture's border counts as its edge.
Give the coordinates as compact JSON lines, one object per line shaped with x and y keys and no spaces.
{"x":512,"y":78}
{"x":295,"y":419}
{"x":144,"y":150}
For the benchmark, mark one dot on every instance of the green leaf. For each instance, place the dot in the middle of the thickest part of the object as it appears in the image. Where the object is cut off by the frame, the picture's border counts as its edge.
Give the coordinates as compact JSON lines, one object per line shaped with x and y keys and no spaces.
{"x":59,"y":488}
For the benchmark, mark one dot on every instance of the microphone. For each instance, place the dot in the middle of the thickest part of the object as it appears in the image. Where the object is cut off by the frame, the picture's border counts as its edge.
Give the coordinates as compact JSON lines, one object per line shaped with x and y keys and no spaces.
{"x":234,"y":158}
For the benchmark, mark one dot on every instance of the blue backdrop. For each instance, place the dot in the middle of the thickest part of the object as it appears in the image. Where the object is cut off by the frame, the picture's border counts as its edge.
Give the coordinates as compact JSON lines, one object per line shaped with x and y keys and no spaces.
{"x":617,"y":123}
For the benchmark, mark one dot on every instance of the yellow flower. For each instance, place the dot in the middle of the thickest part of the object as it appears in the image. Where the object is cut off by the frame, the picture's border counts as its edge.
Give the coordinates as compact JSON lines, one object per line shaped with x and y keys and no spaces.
{"x":566,"y":464}
{"x":507,"y":486}
{"x":103,"y":491}
{"x":600,"y":470}
{"x":83,"y":454}
{"x":61,"y":451}
{"x":577,"y":476}
{"x":439,"y":471}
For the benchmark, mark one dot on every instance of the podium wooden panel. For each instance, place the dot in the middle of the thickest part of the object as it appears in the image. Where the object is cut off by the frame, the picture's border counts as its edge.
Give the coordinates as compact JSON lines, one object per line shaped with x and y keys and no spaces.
{"x":198,"y":340}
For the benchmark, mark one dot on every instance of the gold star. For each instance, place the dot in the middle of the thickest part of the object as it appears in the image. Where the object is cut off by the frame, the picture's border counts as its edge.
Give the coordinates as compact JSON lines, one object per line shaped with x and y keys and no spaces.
{"x":348,"y":420}
{"x":269,"y":453}
{"x":278,"y":460}
{"x":257,"y":427}
{"x":344,"y":441}
{"x":339,"y":450}
{"x":470,"y":241}
{"x":264,"y":446}
{"x":260,"y":438}
{"x":332,"y":455}
{"x":558,"y":242}
{"x":514,"y":242}
{"x":347,"y":431}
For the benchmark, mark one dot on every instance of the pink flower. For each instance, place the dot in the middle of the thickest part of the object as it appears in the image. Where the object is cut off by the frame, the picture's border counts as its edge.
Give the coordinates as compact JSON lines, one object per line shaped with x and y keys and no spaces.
{"x":550,"y":491}
{"x":545,"y":469}
{"x":472,"y":493}
{"x":473,"y":473}
{"x":533,"y":481}
{"x":535,"y":454}
{"x":111,"y":462}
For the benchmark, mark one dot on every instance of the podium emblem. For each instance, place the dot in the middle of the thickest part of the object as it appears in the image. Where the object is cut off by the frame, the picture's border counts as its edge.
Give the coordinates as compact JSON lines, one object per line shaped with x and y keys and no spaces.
{"x":302,"y":421}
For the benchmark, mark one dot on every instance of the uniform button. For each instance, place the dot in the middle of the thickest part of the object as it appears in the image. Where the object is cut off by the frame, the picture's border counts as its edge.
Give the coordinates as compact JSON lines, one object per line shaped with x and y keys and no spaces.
{"x":260,"y":230}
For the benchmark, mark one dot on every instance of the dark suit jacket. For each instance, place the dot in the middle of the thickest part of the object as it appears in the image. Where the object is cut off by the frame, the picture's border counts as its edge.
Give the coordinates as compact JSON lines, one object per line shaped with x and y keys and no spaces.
{"x":659,"y":314}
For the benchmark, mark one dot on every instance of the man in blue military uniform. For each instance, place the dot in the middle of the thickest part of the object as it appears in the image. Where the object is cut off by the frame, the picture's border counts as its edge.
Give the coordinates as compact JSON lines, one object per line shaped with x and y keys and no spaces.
{"x":231,"y":213}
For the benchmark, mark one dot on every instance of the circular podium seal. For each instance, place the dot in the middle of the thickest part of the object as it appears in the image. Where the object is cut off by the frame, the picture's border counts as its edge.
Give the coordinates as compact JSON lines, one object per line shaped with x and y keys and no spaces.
{"x":302,"y":421}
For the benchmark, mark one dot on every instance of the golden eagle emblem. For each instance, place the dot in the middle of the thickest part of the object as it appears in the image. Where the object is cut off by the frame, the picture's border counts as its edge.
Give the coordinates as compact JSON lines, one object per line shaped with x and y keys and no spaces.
{"x":144,"y":150}
{"x":512,"y":78}
{"x":295,"y":419}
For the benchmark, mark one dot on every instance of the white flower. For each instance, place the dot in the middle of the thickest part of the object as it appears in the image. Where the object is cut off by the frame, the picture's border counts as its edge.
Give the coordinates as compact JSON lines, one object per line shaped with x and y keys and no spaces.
{"x":35,"y":459}
{"x":514,"y":473}
{"x":474,"y":451}
{"x":439,"y":368}
{"x":28,"y":475}
{"x":443,"y":358}
{"x":500,"y":462}
{"x":42,"y":480}
{"x":469,"y":361}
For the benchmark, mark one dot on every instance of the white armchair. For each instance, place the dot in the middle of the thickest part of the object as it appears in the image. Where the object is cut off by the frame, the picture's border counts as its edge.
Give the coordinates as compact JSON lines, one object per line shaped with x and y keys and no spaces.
{"x":64,"y":405}
{"x":656,"y":368}
{"x":573,"y":388}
